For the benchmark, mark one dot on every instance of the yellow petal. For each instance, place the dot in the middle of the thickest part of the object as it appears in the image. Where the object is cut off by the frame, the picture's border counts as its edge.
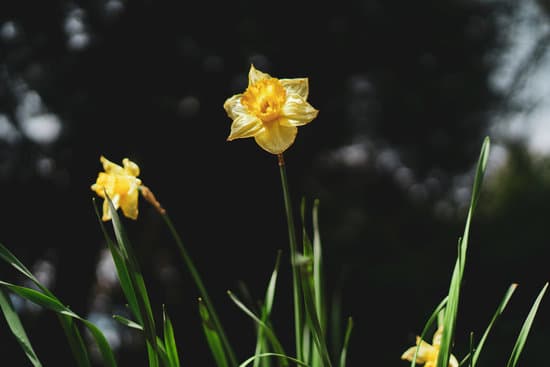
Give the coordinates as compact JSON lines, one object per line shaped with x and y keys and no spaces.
{"x":425,"y":352}
{"x":299,"y":86}
{"x":276,"y":138}
{"x":245,"y":126}
{"x":129,"y":204}
{"x":409,"y":355}
{"x":107,"y":209}
{"x":453,"y":362}
{"x":233,"y":106}
{"x":130,"y":167}
{"x":110,"y":167}
{"x":297,"y":111}
{"x":254,"y":75}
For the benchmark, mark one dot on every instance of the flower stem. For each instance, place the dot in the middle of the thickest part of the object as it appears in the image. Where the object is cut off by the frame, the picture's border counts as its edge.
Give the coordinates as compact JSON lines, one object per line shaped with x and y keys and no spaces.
{"x":202,"y":289}
{"x":292,"y":241}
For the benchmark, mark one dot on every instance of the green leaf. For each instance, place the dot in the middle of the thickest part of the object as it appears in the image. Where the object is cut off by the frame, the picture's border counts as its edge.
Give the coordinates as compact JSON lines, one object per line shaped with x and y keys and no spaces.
{"x":76,"y":343}
{"x":522,"y":337}
{"x":312,"y":317}
{"x":10,"y":258}
{"x":498,"y":312}
{"x":121,"y":268}
{"x":212,"y":336}
{"x":170,"y":341}
{"x":202,"y":290}
{"x":55,"y":305}
{"x":456,"y":280}
{"x":17,"y":329}
{"x":344,"y":352}
{"x":277,"y":346}
{"x":129,"y":323}
{"x":267,"y":307}
{"x":431,"y":320}
{"x":317,"y":267}
{"x":138,"y":284}
{"x":278,"y":355}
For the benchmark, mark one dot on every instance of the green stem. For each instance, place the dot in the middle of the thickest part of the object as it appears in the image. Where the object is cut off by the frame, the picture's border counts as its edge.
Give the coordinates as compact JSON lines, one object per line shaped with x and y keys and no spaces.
{"x":292,"y":240}
{"x":202,"y":289}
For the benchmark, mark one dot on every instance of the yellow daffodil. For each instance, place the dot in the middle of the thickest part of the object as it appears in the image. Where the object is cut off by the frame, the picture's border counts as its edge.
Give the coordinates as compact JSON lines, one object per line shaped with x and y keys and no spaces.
{"x":427,"y":353}
{"x":122,"y":187}
{"x":270,"y":110}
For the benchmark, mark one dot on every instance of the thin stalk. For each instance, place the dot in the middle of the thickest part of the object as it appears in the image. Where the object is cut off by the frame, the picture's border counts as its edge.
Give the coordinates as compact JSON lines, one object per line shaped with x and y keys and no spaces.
{"x":202,"y":289}
{"x":292,"y":240}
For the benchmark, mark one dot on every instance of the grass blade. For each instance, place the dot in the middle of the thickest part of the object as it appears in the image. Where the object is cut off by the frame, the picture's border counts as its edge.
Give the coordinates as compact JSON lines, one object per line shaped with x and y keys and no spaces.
{"x":212,"y":336}
{"x":127,"y":322}
{"x":456,"y":280}
{"x":500,"y":309}
{"x":344,"y":352}
{"x":267,"y":307}
{"x":431,"y":320}
{"x":170,"y":341}
{"x":138,"y":284}
{"x":278,"y":355}
{"x":213,"y":316}
{"x":317,"y":268}
{"x":17,"y":329}
{"x":122,"y":270}
{"x":74,"y":338}
{"x":522,"y":337}
{"x":306,"y":279}
{"x":55,"y":305}
{"x":277,"y":346}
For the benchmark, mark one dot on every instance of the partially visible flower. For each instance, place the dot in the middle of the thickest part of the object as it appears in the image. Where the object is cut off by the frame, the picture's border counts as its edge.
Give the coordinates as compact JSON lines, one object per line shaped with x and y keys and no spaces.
{"x":427,"y":353}
{"x":270,"y":110}
{"x":121,"y":185}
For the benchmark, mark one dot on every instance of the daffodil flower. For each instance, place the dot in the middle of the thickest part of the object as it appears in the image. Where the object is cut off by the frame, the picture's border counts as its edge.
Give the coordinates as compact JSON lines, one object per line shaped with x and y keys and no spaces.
{"x":121,"y":185}
{"x":427,"y":353}
{"x":270,"y":110}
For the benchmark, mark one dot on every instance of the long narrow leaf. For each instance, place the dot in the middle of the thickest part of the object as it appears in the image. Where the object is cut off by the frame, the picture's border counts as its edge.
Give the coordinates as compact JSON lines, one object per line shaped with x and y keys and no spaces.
{"x":431,"y":320}
{"x":212,"y":336}
{"x":17,"y":328}
{"x":456,"y":281}
{"x":522,"y":337}
{"x":268,"y":332}
{"x":127,"y":322}
{"x":498,"y":312}
{"x":278,"y":355}
{"x":136,"y":279}
{"x":55,"y":305}
{"x":344,"y":352}
{"x":266,"y":309}
{"x":202,"y":290}
{"x":121,"y":268}
{"x":170,"y":341}
{"x":311,"y":314}
{"x":317,"y":268}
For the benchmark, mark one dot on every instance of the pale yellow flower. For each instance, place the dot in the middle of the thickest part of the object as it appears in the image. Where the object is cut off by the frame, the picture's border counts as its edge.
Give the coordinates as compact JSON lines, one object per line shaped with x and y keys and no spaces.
{"x":427,"y":353}
{"x":122,"y":187}
{"x":270,"y":110}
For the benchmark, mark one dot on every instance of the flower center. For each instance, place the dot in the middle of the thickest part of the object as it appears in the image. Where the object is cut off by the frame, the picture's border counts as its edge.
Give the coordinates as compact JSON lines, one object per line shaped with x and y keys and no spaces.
{"x":264,"y":99}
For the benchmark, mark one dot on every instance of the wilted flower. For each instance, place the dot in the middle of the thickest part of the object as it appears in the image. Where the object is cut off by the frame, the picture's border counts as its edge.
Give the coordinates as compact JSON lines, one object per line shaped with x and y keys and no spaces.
{"x":270,"y":110}
{"x":121,"y":185}
{"x":427,"y":353}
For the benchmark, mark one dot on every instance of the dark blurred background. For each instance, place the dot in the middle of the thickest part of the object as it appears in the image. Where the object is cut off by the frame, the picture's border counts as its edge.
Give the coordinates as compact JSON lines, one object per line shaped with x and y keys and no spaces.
{"x":406,"y":90}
